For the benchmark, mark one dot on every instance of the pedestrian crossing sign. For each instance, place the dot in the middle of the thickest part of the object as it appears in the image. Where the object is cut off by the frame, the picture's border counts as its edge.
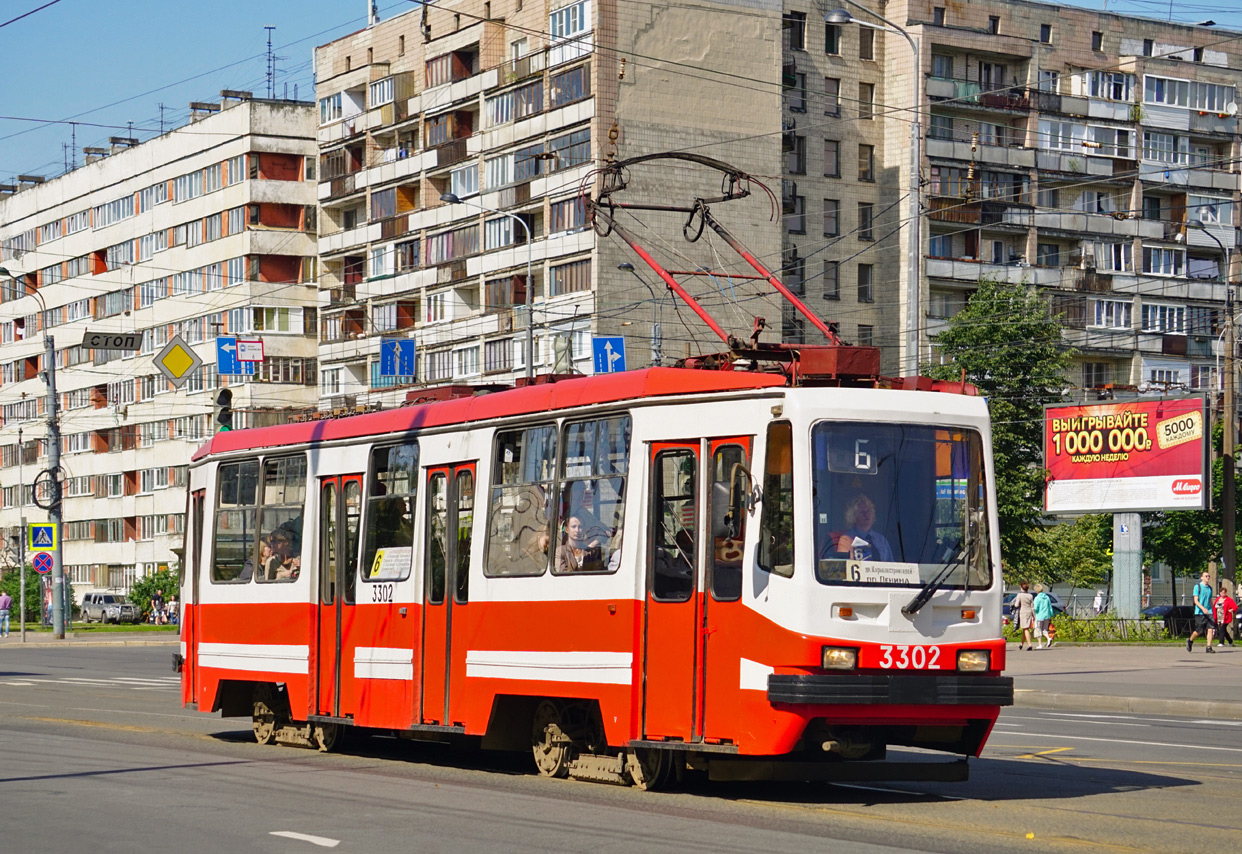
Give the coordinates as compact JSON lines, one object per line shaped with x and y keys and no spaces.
{"x":42,"y":537}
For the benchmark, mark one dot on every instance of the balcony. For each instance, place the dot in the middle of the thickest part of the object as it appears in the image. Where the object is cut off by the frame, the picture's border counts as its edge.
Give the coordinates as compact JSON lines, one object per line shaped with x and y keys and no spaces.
{"x":1014,"y":99}
{"x":971,"y":270}
{"x":997,"y":155}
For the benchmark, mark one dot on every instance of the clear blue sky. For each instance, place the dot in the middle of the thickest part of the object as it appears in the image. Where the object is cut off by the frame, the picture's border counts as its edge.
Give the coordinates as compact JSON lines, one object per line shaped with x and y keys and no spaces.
{"x":114,"y":62}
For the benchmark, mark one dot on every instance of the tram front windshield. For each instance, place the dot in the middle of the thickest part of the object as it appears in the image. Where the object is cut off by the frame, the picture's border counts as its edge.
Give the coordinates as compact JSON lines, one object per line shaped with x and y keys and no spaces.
{"x":899,"y":505}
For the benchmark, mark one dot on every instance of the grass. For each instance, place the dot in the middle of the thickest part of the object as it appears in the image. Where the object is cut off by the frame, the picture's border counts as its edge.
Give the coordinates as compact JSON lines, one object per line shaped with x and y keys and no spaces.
{"x":79,"y":627}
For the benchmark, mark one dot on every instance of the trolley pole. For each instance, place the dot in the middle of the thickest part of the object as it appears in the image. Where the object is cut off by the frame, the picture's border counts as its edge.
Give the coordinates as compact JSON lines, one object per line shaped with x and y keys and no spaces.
{"x":54,"y":513}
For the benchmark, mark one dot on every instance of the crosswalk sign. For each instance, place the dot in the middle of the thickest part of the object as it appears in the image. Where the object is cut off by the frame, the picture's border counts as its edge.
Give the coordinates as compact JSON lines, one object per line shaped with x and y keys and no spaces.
{"x":42,"y":537}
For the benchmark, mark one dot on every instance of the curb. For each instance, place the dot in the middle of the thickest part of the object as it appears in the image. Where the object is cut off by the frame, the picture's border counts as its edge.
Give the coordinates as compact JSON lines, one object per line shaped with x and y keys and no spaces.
{"x":1033,"y":698}
{"x":63,"y":644}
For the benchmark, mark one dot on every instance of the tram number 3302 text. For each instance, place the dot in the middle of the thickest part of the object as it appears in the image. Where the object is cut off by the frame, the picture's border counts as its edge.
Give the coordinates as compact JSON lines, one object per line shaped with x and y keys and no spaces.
{"x":909,"y":657}
{"x":381,"y":593}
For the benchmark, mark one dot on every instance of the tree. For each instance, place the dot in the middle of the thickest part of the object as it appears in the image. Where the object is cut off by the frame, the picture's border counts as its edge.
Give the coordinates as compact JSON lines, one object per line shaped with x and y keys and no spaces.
{"x":1075,"y":553}
{"x":1009,"y":345}
{"x":11,"y":583}
{"x":143,"y":590}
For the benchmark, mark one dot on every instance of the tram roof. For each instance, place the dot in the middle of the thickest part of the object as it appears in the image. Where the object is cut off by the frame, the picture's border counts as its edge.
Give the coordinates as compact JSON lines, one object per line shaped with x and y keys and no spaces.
{"x":532,"y":399}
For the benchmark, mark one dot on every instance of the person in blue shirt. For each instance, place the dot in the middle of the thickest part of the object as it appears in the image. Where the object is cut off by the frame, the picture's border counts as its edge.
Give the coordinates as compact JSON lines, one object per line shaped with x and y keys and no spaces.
{"x":1204,"y":624}
{"x":858,"y":540}
{"x":1043,"y":615}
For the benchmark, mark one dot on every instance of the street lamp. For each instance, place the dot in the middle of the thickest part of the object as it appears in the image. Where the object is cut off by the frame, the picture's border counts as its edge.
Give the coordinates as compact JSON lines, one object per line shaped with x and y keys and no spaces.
{"x":657,"y":305}
{"x":1228,"y":489}
{"x":452,"y":199}
{"x":914,"y":256}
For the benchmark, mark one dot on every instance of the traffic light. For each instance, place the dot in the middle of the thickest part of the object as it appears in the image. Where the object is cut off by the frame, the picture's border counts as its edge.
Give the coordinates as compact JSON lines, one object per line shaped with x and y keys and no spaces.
{"x":224,"y":410}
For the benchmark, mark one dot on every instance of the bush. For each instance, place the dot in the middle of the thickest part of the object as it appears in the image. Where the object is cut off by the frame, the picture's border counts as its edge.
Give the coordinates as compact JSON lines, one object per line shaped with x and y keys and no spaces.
{"x":1102,"y":629}
{"x":11,"y":583}
{"x":143,"y":590}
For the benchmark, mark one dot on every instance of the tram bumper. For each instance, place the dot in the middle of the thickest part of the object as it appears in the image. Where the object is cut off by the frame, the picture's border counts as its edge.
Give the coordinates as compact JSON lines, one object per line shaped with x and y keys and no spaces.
{"x":890,"y":689}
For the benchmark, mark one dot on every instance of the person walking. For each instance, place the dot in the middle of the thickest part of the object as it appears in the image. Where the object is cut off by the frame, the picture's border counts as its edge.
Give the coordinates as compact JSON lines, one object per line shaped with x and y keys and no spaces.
{"x":6,"y":605}
{"x":1225,"y":611}
{"x":1024,"y":607}
{"x":1043,"y":616}
{"x":1202,"y":598}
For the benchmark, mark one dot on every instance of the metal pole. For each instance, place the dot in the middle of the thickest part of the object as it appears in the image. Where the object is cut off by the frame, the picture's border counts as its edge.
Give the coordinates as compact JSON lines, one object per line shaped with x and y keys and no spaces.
{"x":21,"y":535}
{"x":1228,"y":490}
{"x":54,"y":513}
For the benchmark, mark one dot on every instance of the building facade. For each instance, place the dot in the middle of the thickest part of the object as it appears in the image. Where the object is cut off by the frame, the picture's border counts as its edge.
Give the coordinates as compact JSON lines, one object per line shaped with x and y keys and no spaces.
{"x":205,"y":231}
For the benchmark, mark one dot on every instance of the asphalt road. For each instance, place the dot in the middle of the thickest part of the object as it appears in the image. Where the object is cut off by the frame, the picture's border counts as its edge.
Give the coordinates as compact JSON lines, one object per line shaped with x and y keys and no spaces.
{"x":96,"y":753}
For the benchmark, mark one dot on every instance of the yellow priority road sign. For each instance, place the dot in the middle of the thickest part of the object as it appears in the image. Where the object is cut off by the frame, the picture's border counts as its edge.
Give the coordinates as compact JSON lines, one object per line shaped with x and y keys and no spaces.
{"x":42,"y":537}
{"x":177,"y":361}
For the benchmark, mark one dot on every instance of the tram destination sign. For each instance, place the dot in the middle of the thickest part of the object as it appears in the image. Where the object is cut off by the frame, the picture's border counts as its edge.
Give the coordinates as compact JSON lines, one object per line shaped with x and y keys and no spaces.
{"x":1122,"y":457}
{"x":112,"y":340}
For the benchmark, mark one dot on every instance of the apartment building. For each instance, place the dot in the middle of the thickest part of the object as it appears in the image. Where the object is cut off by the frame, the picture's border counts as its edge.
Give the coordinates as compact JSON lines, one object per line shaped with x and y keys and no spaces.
{"x":204,"y":231}
{"x":511,"y":106}
{"x":1091,"y":154}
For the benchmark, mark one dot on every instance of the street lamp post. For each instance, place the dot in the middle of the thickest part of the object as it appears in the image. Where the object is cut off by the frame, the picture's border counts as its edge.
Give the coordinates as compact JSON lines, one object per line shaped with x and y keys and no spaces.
{"x":914,"y":254}
{"x":657,"y":355}
{"x":452,"y":199}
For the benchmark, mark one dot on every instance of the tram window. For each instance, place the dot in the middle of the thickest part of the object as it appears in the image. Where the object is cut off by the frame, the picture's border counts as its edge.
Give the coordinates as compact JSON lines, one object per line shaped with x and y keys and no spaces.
{"x":776,"y":528}
{"x":592,"y":505}
{"x":236,"y":516}
{"x":465,"y":528}
{"x":353,"y":515}
{"x":674,"y":513}
{"x":437,"y":537}
{"x":728,"y":521}
{"x":327,"y":544}
{"x":518,"y":533}
{"x":284,"y":500}
{"x":391,"y":492}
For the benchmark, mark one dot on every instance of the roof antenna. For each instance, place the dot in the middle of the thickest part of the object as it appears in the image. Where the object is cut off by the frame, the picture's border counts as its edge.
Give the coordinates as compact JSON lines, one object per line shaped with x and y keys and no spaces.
{"x":271,"y":65}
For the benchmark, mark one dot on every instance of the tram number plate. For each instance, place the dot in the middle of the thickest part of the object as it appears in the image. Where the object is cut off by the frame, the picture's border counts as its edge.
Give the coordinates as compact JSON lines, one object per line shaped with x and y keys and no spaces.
{"x":909,"y":657}
{"x":381,"y":593}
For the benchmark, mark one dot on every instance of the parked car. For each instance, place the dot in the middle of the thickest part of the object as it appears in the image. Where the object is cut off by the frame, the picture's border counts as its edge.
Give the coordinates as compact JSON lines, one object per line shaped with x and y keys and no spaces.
{"x":1058,"y":606}
{"x":1178,"y":619}
{"x":109,"y":608}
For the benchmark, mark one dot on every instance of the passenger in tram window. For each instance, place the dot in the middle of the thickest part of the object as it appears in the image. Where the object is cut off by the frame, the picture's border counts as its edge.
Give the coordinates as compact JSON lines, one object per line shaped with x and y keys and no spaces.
{"x":285,"y":563}
{"x":265,"y":555}
{"x":575,"y":554}
{"x":394,"y":523}
{"x":859,"y":541}
{"x":582,"y":504}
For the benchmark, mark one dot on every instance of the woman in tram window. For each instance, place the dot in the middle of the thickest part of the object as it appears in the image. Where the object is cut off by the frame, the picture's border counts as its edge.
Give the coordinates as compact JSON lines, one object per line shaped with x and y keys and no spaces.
{"x":575,"y":554}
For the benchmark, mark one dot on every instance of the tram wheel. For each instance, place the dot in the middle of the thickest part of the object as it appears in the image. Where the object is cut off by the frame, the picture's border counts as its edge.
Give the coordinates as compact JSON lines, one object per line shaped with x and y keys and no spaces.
{"x":649,"y":768}
{"x":549,"y":744}
{"x":264,"y":722}
{"x":328,"y":736}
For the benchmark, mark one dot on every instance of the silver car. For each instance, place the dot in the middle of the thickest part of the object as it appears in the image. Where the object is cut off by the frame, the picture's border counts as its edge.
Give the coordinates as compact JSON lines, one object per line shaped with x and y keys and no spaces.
{"x":109,"y":608}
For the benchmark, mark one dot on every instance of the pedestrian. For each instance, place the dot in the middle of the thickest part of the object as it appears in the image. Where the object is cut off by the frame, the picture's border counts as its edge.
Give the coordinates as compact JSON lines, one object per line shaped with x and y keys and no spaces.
{"x":6,"y":605}
{"x":1202,"y":598}
{"x":1024,"y":607}
{"x":157,"y":607}
{"x":1043,"y":615}
{"x":1098,"y":604}
{"x":1225,"y":611}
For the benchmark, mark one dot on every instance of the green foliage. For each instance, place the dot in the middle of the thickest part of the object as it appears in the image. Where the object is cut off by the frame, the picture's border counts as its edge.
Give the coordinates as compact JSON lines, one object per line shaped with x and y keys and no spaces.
{"x":11,"y":583}
{"x":143,"y":590}
{"x":1188,"y":540}
{"x":1074,"y":553}
{"x":1009,"y":345}
{"x":1100,"y":630}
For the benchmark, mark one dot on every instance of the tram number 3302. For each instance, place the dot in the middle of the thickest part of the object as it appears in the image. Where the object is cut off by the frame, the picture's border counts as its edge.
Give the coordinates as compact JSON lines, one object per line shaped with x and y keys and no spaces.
{"x":381,"y":593}
{"x":909,"y":657}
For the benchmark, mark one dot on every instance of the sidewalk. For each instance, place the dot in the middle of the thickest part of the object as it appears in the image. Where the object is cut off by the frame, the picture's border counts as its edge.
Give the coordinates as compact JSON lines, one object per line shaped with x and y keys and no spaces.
{"x":45,"y":640}
{"x":1160,"y":679}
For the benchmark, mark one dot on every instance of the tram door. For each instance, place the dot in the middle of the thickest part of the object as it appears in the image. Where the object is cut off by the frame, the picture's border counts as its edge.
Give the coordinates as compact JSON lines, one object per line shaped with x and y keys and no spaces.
{"x":340,"y":509}
{"x":671,"y":696}
{"x":446,"y":590}
{"x":191,"y":566}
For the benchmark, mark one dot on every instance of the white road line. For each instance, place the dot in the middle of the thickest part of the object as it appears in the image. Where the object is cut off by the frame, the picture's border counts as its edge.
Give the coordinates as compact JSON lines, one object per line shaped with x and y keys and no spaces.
{"x":1149,"y":720}
{"x":1126,"y":742}
{"x":321,"y":841}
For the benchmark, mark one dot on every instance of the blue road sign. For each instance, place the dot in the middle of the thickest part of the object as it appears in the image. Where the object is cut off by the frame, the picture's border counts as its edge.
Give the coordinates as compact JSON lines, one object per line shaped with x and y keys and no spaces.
{"x":42,"y":562}
{"x":226,"y":358}
{"x":397,"y":357}
{"x":609,"y":354}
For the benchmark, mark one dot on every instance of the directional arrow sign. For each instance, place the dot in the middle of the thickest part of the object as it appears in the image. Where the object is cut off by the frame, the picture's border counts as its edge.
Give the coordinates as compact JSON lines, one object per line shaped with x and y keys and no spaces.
{"x":228,"y":360}
{"x":609,"y":354}
{"x":397,"y":357}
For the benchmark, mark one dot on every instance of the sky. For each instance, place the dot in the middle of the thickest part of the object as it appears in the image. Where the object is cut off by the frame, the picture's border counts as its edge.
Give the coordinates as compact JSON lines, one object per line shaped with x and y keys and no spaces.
{"x":107,"y":64}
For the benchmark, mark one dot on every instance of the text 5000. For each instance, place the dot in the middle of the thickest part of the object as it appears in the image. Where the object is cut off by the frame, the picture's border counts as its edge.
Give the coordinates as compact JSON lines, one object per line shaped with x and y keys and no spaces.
{"x":910,"y":657}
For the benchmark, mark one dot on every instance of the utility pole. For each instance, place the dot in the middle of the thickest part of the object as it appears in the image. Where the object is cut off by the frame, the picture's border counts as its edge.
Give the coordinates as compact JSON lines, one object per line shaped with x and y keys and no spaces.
{"x":55,"y":512}
{"x":21,"y":536}
{"x":1229,"y":510}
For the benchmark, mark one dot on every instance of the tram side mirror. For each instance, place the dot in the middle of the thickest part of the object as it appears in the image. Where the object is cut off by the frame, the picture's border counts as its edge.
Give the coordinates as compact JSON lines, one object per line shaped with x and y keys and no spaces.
{"x":743,"y":497}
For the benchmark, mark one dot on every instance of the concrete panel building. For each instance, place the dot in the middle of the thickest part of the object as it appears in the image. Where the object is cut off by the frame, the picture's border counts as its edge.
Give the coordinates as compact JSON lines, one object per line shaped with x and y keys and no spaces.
{"x":205,"y":231}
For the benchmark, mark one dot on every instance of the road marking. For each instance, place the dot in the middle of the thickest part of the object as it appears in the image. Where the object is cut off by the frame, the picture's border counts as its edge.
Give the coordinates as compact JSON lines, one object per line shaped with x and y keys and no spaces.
{"x":1118,"y":741}
{"x":1150,"y":720}
{"x":1043,"y":753}
{"x":321,"y":841}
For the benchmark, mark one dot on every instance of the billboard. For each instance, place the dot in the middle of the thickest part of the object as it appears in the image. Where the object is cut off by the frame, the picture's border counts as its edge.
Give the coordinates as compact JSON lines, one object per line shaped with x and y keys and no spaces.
{"x":1119,"y":457}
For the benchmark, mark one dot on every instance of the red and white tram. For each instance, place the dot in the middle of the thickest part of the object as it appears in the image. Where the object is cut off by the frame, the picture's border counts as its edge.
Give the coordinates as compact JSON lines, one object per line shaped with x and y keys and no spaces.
{"x":630,"y":574}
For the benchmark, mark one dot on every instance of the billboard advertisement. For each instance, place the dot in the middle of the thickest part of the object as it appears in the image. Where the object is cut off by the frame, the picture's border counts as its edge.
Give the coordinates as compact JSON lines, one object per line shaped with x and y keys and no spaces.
{"x":1120,"y":457}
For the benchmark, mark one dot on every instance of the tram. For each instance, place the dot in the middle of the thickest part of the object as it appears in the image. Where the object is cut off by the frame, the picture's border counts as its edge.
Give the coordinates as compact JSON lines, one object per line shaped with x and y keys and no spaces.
{"x":756,"y":574}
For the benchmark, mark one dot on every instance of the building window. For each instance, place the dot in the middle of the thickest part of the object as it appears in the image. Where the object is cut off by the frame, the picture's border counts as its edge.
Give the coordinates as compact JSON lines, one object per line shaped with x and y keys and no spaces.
{"x":1163,"y":262}
{"x":795,"y":30}
{"x":1158,"y":317}
{"x":1097,"y":41}
{"x":795,"y":96}
{"x":866,"y":221}
{"x":329,"y":109}
{"x":796,"y":159}
{"x":866,"y":43}
{"x":940,"y":246}
{"x":940,"y":127}
{"x":994,"y":24}
{"x":832,"y":217}
{"x":832,"y":280}
{"x":832,"y":39}
{"x":832,"y":96}
{"x":832,"y":158}
{"x":498,"y":355}
{"x":1148,"y":45}
{"x":866,"y":100}
{"x":572,"y":277}
{"x":796,"y":220}
{"x":1113,"y":314}
{"x":866,"y":293}
{"x":866,"y":163}
{"x":866,"y":335}
{"x":1048,"y":255}
{"x":564,"y":88}
{"x":1049,"y":81}
{"x":1096,"y":374}
{"x":942,"y":66}
{"x":1045,"y":33}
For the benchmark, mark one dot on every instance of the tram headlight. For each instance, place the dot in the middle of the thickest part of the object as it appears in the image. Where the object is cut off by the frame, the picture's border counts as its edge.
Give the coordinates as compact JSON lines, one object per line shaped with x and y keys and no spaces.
{"x":974,"y":659}
{"x":840,"y":658}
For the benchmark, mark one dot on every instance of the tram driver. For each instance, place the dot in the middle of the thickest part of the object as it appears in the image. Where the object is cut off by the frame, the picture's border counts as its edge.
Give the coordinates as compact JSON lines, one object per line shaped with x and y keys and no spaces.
{"x":858,"y":540}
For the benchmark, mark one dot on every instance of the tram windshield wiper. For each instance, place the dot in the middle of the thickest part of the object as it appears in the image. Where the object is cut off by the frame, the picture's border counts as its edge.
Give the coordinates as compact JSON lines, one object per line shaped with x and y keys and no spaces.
{"x":920,"y":599}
